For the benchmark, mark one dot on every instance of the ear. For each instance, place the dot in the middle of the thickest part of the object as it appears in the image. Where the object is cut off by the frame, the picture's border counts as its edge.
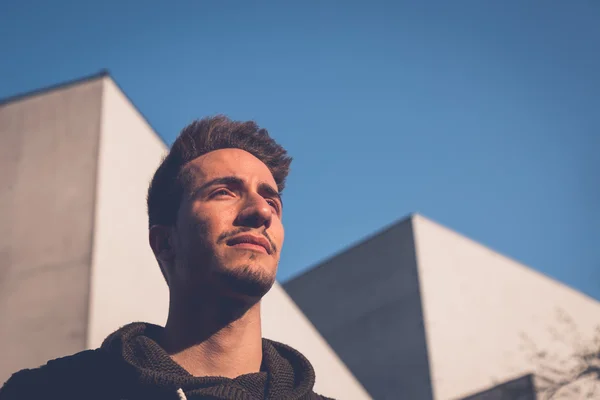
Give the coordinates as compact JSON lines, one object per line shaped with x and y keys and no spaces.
{"x":161,"y":243}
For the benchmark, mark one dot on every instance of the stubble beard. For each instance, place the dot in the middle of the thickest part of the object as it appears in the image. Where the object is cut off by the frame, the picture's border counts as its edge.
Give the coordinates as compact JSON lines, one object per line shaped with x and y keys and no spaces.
{"x":245,"y":279}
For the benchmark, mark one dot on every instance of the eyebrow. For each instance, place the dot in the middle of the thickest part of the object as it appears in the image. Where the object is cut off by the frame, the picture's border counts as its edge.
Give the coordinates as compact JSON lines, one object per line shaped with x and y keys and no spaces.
{"x":235,"y":181}
{"x":270,"y":191}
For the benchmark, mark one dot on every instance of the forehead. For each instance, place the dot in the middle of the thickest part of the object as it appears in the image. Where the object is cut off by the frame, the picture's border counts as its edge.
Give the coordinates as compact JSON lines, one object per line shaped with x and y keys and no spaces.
{"x":229,"y":162}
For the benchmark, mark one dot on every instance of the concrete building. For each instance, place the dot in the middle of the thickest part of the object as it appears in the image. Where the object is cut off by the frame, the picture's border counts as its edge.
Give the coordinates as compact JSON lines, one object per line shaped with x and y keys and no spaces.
{"x":416,"y":311}
{"x":421,"y":310}
{"x":76,"y":162}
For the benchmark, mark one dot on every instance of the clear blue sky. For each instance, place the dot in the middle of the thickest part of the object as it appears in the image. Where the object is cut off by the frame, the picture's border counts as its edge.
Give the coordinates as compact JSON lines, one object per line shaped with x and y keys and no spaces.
{"x":481,"y":115}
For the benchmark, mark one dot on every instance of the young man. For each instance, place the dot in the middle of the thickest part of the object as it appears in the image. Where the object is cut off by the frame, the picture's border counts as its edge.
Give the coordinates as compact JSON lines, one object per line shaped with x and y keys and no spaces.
{"x":215,"y":210}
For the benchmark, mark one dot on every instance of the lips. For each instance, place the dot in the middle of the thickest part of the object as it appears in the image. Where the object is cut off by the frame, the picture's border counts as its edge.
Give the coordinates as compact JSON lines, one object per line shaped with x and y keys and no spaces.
{"x":250,"y":240}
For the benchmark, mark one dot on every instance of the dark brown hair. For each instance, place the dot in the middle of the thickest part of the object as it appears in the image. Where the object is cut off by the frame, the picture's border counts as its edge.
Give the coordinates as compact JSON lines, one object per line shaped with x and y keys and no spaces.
{"x":201,"y":137}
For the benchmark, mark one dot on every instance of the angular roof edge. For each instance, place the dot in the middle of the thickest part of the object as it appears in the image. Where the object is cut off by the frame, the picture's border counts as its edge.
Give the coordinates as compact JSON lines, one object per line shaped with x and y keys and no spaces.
{"x":416,"y":216}
{"x":510,"y":258}
{"x":21,"y":96}
{"x":367,"y":238}
{"x":103,"y":73}
{"x":137,"y":109}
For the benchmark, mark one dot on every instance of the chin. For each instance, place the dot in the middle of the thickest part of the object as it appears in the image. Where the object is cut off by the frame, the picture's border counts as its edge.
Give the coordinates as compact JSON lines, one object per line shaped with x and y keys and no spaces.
{"x":248,"y":281}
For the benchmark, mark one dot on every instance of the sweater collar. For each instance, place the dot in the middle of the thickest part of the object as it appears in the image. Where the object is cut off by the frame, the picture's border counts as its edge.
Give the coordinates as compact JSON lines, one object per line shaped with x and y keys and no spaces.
{"x":147,"y":368}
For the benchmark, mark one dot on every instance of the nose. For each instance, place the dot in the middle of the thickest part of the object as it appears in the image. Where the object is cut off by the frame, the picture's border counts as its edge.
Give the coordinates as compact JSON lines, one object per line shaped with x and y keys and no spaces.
{"x":256,"y":213}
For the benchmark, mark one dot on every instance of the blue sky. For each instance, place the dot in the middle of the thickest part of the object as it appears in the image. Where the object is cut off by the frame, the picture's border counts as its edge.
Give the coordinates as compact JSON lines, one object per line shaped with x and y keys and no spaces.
{"x":483,"y":116}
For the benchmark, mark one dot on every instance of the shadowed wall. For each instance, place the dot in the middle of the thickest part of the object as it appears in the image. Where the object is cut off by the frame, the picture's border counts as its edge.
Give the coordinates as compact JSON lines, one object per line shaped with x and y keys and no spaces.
{"x":366,"y":304}
{"x":48,"y":162}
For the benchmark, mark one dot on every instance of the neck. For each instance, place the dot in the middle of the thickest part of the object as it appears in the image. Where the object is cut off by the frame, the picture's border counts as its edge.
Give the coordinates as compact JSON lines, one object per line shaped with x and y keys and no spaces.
{"x":217,"y":338}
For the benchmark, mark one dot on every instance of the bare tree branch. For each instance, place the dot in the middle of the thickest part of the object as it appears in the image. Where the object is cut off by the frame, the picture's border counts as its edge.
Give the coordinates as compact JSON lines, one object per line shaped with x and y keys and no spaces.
{"x":576,"y":375}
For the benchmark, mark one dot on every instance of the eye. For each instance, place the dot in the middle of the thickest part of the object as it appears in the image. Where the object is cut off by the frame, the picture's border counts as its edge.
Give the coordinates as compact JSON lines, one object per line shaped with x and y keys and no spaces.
{"x":273,"y":204}
{"x":220,"y":192}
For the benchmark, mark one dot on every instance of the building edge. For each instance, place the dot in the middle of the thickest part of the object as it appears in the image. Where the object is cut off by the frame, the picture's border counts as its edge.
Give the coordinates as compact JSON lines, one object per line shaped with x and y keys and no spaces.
{"x":103,"y":73}
{"x":57,"y":86}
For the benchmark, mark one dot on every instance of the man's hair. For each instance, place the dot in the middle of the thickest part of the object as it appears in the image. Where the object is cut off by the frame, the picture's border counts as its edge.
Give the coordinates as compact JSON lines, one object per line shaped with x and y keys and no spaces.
{"x":198,"y":138}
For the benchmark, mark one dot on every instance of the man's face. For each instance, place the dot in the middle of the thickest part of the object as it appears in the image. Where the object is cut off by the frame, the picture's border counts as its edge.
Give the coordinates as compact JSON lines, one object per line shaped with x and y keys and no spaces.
{"x":228,"y":234}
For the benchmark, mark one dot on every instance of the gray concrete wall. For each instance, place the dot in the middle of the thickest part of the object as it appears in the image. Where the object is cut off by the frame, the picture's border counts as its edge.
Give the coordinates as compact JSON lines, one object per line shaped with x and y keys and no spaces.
{"x":48,"y":161}
{"x":487,"y":316}
{"x":283,"y":321}
{"x":366,"y":304}
{"x":126,"y":283}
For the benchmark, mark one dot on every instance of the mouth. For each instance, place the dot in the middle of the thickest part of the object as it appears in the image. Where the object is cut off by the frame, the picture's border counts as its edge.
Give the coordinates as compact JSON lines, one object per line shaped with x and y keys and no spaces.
{"x":250,"y":242}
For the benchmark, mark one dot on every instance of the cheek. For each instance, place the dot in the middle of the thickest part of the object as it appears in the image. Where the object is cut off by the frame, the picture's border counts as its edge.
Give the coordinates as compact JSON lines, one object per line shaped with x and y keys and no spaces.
{"x":278,"y":234}
{"x":210,"y":223}
{"x":201,"y":230}
{"x":193,"y":228}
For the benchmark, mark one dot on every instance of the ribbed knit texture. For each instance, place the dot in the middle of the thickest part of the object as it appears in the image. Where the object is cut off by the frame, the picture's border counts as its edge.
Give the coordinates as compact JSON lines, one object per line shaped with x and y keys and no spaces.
{"x":147,"y":370}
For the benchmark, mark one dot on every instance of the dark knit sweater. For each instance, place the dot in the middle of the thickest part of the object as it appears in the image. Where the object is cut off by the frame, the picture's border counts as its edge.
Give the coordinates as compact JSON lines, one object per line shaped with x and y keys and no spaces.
{"x":131,"y":365}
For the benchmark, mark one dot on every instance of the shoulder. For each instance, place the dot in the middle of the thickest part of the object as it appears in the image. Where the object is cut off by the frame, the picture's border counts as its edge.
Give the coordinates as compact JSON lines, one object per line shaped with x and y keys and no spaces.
{"x":55,"y":377}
